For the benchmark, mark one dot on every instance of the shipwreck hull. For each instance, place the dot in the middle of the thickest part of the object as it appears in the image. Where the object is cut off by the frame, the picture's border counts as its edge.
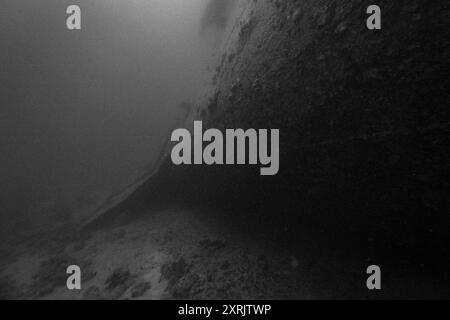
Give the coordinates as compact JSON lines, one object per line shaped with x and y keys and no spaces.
{"x":363,"y":126}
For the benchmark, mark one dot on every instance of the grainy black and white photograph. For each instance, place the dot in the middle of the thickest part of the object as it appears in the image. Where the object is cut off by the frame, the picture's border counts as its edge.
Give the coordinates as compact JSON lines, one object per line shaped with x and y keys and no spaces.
{"x":217,"y":150}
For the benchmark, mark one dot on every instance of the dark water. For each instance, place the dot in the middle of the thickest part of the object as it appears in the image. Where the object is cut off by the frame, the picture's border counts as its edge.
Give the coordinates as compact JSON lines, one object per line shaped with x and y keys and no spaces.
{"x":84,"y":112}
